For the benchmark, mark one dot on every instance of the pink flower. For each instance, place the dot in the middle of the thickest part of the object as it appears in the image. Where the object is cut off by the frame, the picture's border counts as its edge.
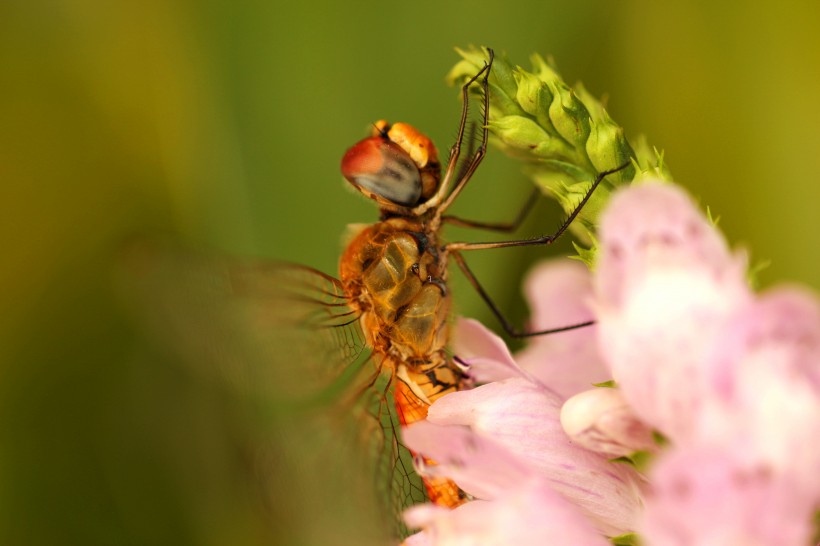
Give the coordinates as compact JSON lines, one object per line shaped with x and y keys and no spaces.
{"x":523,"y":417}
{"x":523,"y":507}
{"x":530,"y":514}
{"x":567,"y":363}
{"x":485,"y":352}
{"x":730,"y":378}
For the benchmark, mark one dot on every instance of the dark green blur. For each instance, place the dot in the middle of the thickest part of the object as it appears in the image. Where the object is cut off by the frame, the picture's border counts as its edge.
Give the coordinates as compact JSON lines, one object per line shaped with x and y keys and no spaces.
{"x":222,"y":125}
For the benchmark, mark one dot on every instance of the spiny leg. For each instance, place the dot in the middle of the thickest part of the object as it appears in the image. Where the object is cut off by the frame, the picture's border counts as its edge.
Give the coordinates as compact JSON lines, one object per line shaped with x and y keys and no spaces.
{"x":455,"y":150}
{"x":479,"y":154}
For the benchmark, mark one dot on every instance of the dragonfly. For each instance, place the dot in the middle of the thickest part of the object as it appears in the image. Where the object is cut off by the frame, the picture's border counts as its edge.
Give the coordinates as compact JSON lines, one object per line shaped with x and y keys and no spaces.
{"x":394,"y":273}
{"x":382,"y":327}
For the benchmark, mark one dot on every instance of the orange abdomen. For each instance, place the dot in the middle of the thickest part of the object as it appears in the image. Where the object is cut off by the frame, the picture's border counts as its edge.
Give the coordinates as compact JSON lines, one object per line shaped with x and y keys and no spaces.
{"x":441,"y":491}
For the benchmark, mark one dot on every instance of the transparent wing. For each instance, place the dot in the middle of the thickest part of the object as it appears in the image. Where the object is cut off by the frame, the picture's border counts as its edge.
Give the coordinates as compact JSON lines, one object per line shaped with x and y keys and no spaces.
{"x":280,"y":332}
{"x":283,"y":335}
{"x":394,"y":474}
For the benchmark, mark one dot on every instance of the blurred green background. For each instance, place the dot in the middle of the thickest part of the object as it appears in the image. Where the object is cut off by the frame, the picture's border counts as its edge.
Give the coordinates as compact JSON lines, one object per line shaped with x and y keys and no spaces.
{"x":222,"y":125}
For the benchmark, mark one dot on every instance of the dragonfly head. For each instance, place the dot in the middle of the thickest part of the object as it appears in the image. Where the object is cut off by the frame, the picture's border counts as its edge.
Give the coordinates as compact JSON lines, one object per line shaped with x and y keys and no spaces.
{"x":397,"y":166}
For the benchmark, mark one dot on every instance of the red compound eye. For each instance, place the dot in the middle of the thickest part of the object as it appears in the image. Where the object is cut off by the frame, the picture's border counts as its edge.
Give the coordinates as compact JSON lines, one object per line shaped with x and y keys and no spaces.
{"x":381,"y":169}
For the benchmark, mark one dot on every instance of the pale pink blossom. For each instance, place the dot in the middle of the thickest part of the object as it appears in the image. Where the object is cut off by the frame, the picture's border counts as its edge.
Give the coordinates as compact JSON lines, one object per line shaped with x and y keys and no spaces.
{"x":613,"y":429}
{"x":485,"y":352}
{"x":666,"y":285}
{"x":482,"y":467}
{"x":531,"y":514}
{"x":730,"y":378}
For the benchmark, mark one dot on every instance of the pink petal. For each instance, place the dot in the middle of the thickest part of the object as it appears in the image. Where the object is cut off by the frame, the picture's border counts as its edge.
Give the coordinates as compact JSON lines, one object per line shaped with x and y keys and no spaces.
{"x":654,"y":224}
{"x":485,"y":352}
{"x":666,"y":286}
{"x":785,"y":321}
{"x":528,"y":515}
{"x":524,"y":418}
{"x":707,"y":497}
{"x":478,"y":465}
{"x":418,"y":539}
{"x":602,"y":421}
{"x":766,"y":385}
{"x":566,"y":362}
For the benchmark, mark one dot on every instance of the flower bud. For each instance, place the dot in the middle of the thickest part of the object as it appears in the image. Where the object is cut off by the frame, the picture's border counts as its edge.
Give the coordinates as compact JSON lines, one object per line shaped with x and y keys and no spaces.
{"x":542,"y":109}
{"x":600,"y":420}
{"x":543,"y":70}
{"x":502,"y":104}
{"x":564,"y":132}
{"x":607,"y":149}
{"x":568,"y":114}
{"x":521,"y":133}
{"x":503,"y":75}
{"x":529,"y":88}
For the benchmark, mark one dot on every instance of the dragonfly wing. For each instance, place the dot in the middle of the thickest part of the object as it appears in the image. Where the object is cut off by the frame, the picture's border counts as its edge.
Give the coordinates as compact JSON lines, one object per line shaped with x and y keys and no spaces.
{"x":317,"y":338}
{"x":395,"y":477}
{"x":284,"y":335}
{"x":280,"y":332}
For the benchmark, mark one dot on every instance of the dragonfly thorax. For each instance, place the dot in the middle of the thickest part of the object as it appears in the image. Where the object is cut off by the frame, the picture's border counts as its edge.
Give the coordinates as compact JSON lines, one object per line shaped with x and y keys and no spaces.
{"x":393,"y":275}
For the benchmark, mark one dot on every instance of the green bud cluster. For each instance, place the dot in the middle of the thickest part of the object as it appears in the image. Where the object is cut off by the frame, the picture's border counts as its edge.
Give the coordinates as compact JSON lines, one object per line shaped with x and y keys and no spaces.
{"x":564,"y":134}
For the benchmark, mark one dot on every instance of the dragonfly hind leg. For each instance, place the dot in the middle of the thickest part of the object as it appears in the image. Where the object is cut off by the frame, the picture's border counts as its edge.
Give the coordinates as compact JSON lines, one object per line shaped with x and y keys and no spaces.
{"x":503,"y":227}
{"x":505,"y":323}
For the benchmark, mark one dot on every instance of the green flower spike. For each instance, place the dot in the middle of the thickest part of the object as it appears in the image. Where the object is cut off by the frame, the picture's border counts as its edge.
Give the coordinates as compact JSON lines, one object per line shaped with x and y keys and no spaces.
{"x":564,"y":134}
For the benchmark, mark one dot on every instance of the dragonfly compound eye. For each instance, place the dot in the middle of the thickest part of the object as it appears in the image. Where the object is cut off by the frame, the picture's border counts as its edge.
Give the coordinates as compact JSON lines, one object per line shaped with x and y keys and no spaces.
{"x":382,"y":170}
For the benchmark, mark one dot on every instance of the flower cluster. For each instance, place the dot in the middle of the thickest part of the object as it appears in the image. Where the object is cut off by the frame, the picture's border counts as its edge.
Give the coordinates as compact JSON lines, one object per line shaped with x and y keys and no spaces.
{"x":728,"y":379}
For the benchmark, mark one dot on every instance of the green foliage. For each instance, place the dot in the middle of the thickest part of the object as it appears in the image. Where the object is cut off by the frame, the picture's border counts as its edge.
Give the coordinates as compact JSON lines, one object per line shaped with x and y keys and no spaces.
{"x":660,"y":439}
{"x":611,"y":384}
{"x":564,"y":134}
{"x":639,"y":460}
{"x":753,"y":274}
{"x":629,"y":539}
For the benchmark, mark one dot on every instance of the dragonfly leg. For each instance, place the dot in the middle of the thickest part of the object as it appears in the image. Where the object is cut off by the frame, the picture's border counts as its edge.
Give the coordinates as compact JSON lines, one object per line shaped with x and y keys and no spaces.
{"x":506,"y":324}
{"x":455,"y":152}
{"x":505,"y":227}
{"x":544,"y":239}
